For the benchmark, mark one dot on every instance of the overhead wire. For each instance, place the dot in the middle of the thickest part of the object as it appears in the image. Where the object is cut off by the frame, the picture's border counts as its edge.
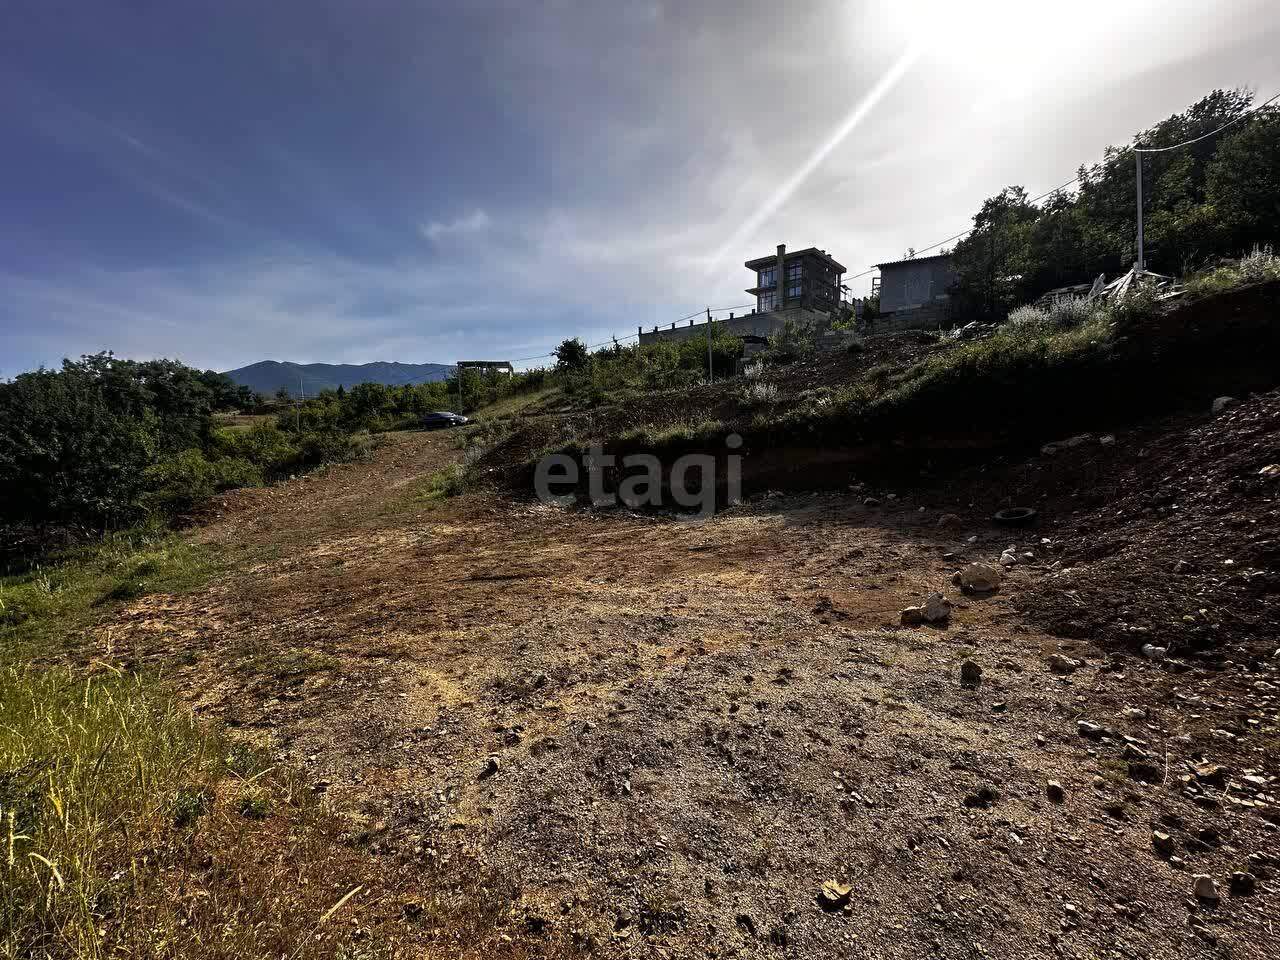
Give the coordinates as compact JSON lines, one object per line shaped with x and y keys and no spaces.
{"x":932,"y":246}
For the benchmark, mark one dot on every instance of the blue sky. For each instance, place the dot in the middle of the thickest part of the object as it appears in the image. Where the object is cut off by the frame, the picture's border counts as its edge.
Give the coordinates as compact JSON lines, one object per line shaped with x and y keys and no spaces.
{"x":378,"y":180}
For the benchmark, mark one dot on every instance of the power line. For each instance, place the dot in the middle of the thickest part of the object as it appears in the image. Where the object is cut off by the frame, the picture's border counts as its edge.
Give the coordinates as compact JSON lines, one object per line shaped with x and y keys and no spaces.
{"x":963,"y":233}
{"x":1136,"y":149}
{"x":1229,"y":123}
{"x":932,"y":246}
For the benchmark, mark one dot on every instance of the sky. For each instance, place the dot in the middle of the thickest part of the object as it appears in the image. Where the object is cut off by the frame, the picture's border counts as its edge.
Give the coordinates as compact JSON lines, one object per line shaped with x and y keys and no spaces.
{"x":358,"y":180}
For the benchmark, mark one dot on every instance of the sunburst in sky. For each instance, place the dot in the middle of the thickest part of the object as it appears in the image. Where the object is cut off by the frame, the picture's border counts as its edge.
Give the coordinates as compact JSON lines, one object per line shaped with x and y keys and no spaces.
{"x":230,"y":182}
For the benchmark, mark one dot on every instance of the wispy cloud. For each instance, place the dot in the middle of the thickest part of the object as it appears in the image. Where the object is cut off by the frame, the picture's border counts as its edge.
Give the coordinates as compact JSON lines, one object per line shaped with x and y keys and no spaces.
{"x":475,"y":222}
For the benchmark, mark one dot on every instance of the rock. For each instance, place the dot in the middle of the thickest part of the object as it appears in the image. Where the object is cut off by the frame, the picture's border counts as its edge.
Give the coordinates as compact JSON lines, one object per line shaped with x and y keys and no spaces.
{"x":1270,"y":472}
{"x":949,"y":520}
{"x":1152,"y":652}
{"x":1134,"y":713}
{"x":834,"y":895}
{"x":1243,"y":883}
{"x":970,"y":675}
{"x":1135,"y":754}
{"x":1060,"y":664}
{"x":491,"y":765}
{"x":1214,"y":774}
{"x":1052,"y":449}
{"x":937,"y":608}
{"x":1053,"y":790}
{"x":1162,"y":842}
{"x":1090,"y":731}
{"x":1222,"y":403}
{"x":978,"y":578}
{"x":871,"y":502}
{"x":1009,"y":558}
{"x":1204,"y":887}
{"x":1107,"y":440}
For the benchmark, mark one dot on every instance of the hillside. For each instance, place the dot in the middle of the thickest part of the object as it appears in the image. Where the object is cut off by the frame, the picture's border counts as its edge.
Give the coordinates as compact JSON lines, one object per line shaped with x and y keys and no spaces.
{"x":545,"y":731}
{"x":268,"y":376}
{"x":560,"y":732}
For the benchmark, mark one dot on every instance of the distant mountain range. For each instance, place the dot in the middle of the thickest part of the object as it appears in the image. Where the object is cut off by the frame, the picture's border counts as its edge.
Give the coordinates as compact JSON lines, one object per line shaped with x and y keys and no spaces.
{"x":268,"y":376}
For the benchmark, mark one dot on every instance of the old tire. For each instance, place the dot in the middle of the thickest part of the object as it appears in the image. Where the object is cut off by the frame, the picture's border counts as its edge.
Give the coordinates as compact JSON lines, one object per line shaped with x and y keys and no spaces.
{"x":1015,"y":517}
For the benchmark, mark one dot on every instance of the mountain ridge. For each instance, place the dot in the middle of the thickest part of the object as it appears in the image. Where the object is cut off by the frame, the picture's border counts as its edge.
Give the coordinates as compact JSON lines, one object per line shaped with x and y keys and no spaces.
{"x":268,"y":376}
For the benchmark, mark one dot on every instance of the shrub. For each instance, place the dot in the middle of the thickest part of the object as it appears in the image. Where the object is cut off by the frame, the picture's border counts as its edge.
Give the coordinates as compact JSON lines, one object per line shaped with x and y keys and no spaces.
{"x":793,"y":341}
{"x":1259,"y":266}
{"x":1137,"y":305}
{"x":757,"y":393}
{"x":1070,"y":312}
{"x":319,"y":447}
{"x":177,"y":484}
{"x":264,"y":445}
{"x":1027,"y":316}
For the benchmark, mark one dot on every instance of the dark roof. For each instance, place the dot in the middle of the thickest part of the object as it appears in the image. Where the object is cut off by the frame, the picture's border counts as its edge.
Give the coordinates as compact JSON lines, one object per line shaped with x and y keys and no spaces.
{"x":759,"y":262}
{"x":898,"y":263}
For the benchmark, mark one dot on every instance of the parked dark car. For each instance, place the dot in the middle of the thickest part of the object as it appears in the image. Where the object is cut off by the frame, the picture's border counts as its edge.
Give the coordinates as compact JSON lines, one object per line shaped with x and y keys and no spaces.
{"x":442,"y":419}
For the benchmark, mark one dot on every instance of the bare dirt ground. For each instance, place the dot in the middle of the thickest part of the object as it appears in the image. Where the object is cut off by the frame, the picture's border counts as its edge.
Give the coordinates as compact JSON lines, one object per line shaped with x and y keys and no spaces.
{"x":652,"y":737}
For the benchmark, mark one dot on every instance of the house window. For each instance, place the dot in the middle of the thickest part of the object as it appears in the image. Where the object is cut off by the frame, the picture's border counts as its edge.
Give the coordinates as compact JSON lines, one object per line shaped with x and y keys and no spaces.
{"x":794,"y":270}
{"x":768,"y":278}
{"x":767,"y":302}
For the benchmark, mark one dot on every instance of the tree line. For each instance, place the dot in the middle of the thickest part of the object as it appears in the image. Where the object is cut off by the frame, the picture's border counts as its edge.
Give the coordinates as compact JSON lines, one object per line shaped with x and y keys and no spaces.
{"x":1212,"y":199}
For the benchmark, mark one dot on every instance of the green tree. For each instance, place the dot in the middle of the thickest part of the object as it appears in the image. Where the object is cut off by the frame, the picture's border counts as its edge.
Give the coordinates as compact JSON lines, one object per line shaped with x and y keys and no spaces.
{"x":1243,"y":184}
{"x":572,"y":355}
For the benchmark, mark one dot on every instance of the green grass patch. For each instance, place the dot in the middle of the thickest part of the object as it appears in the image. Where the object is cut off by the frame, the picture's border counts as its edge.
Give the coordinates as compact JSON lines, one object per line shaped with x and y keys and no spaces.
{"x":45,"y":607}
{"x":433,"y":489}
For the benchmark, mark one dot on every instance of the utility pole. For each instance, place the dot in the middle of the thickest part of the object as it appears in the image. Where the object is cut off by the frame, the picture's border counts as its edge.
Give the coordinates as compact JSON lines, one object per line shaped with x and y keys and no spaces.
{"x":711,"y":374}
{"x":1142,"y":261}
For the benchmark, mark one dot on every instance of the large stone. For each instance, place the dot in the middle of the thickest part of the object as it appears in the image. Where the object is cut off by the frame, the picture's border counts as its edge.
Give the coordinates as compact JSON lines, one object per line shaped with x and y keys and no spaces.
{"x":979,"y":578}
{"x":970,"y":675}
{"x":1214,"y":774}
{"x":1222,"y":403}
{"x":1204,"y":887}
{"x":834,"y":894}
{"x":937,"y":608}
{"x":1060,"y":664}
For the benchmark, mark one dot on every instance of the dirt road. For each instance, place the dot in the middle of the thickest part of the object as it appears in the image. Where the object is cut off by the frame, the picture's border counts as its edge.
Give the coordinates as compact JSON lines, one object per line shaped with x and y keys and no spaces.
{"x":657,"y":738}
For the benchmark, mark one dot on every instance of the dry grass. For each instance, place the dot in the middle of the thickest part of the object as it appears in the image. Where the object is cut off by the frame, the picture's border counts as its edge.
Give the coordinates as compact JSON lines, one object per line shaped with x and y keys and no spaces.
{"x":130,"y":829}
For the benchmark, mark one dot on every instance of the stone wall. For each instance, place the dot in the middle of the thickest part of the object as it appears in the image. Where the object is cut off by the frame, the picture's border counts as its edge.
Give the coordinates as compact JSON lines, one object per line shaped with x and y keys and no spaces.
{"x":748,"y":324}
{"x":931,"y":317}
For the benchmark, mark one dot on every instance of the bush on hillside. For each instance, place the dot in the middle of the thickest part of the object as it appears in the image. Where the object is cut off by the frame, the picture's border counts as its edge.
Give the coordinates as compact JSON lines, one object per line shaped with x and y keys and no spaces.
{"x":1257,"y":267}
{"x":177,"y":484}
{"x":75,"y":443}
